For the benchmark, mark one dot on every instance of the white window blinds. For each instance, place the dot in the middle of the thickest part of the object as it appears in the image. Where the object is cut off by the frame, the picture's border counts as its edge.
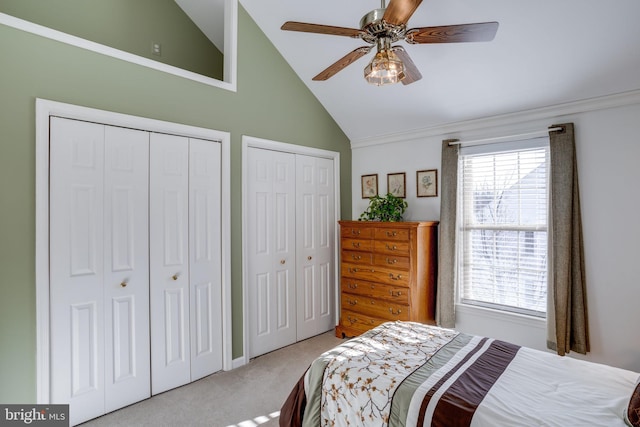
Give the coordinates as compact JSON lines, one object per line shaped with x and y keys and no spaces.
{"x":503,"y":226}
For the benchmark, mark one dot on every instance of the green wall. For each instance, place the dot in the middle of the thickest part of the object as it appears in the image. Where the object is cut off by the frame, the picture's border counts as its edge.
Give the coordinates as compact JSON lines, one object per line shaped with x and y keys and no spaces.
{"x":271,"y":103}
{"x":128,"y":25}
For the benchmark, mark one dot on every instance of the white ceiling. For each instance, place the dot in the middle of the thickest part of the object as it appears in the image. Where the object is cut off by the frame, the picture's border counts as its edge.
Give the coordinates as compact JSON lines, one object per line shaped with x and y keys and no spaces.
{"x":546,"y":52}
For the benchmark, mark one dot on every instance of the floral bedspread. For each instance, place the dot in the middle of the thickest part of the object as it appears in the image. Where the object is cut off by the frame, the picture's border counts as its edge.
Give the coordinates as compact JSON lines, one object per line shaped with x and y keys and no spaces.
{"x":362,"y":375}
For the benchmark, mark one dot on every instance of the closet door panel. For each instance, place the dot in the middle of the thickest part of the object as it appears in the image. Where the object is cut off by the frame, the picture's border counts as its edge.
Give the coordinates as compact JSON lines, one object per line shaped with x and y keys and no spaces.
{"x":76,"y":267}
{"x":315,"y":226}
{"x":169,"y":261}
{"x":205,"y":257}
{"x":271,"y":249}
{"x":126,"y":263}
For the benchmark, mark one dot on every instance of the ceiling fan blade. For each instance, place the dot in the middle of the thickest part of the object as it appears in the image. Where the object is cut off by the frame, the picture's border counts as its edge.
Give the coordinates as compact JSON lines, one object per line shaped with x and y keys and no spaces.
{"x":398,"y":12}
{"x":321,"y":29}
{"x":480,"y":32}
{"x":411,"y":72}
{"x":341,"y":63}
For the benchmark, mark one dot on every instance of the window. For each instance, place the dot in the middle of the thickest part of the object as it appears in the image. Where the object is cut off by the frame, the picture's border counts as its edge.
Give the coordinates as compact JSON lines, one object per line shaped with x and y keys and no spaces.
{"x":502,"y":258}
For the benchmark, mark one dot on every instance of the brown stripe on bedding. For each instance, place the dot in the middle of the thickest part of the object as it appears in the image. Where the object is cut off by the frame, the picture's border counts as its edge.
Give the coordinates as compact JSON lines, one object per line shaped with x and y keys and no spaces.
{"x":458,"y":404}
{"x":445,"y":377}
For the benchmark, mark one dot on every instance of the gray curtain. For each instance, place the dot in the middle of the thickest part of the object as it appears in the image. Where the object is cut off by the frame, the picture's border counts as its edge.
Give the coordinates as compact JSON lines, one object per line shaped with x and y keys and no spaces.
{"x":567,"y":298}
{"x":445,"y":292}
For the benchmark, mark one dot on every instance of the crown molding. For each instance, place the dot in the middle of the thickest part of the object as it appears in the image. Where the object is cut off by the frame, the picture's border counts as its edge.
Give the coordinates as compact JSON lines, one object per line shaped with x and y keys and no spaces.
{"x":455,"y":128}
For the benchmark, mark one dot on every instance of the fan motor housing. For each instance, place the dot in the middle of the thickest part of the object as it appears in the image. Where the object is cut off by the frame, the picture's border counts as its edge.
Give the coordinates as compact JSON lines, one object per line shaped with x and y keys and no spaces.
{"x":373,"y":24}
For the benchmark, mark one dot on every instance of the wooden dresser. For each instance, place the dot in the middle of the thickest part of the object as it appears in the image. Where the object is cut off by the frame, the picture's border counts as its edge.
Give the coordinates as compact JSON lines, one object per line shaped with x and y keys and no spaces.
{"x":388,"y":272}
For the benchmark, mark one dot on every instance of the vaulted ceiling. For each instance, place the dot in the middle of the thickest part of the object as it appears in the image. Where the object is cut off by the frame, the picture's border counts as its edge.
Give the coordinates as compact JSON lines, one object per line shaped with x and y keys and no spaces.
{"x":545,"y":52}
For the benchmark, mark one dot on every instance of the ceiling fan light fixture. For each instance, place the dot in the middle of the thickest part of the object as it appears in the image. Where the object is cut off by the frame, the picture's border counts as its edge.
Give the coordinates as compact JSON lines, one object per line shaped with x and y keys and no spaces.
{"x":385,"y":68}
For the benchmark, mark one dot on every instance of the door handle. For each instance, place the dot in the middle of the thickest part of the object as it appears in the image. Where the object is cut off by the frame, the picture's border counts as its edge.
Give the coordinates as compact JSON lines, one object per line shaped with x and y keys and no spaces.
{"x":175,"y":276}
{"x":124,"y":284}
{"x":309,"y":257}
{"x":282,"y":261}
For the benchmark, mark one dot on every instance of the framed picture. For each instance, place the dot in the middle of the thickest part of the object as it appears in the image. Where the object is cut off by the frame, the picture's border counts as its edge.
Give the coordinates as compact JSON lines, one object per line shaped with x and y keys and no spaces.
{"x":369,"y":185}
{"x":397,"y":184}
{"x":427,"y":183}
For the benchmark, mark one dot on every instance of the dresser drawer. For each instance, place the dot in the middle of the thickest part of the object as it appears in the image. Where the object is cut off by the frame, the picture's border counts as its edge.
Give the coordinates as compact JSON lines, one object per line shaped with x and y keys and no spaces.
{"x":394,"y":234}
{"x":392,"y":261}
{"x":365,"y":245}
{"x":391,"y":247}
{"x":395,"y":294}
{"x":359,"y":321}
{"x":356,"y":232}
{"x":357,"y":257}
{"x":374,"y":307}
{"x":389,"y":276}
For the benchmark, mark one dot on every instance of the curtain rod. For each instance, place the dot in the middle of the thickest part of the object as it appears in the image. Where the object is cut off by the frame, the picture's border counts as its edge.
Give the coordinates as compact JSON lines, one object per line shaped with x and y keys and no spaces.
{"x":508,"y":137}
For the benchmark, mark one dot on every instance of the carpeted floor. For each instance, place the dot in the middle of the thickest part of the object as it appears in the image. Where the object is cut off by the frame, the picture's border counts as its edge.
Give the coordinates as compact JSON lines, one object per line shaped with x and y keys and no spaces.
{"x":248,"y":396}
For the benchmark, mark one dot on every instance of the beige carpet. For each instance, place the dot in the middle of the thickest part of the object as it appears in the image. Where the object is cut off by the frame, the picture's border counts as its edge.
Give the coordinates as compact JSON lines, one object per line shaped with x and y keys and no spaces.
{"x":248,"y":396}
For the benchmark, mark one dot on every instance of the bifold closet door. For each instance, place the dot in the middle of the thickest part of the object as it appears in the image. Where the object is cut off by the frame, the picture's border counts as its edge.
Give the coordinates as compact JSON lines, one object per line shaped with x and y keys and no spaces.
{"x":315,"y":228}
{"x":98,"y":267}
{"x":271,"y":250}
{"x":185,"y":260}
{"x":169,"y":261}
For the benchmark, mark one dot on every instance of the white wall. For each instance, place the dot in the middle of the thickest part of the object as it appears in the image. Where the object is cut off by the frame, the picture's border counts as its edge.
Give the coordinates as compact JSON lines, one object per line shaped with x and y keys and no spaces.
{"x":608,"y":153}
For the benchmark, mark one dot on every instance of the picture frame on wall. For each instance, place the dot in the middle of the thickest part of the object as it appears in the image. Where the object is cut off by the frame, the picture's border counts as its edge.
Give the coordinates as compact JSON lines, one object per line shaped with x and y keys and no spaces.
{"x":397,"y":184}
{"x":369,"y":185}
{"x":427,"y":183}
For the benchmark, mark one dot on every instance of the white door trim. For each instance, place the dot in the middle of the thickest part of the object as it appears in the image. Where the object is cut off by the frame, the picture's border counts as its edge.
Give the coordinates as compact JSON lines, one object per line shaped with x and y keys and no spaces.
{"x":250,"y":141}
{"x":47,"y":108}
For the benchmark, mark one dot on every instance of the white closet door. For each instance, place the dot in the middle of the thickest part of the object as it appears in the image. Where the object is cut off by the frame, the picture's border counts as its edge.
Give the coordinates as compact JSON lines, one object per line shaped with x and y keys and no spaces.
{"x":126,"y":267}
{"x":76,"y":267}
{"x":169,"y":261}
{"x":205,"y":257}
{"x":315,"y":227}
{"x":271,"y":250}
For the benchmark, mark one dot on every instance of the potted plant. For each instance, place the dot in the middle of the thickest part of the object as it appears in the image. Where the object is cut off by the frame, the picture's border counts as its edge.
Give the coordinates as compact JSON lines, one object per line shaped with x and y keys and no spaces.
{"x":388,"y":208}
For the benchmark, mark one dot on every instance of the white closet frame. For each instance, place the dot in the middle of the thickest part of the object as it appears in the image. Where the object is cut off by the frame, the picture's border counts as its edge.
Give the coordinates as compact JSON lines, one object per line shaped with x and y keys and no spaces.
{"x":45,"y":109}
{"x":250,"y":141}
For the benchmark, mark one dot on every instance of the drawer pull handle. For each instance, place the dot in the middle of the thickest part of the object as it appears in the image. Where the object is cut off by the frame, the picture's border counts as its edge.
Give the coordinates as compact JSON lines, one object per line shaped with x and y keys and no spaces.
{"x":352,"y":320}
{"x":395,"y":313}
{"x":356,"y":232}
{"x":391,"y":261}
{"x":396,"y":293}
{"x":352,"y":301}
{"x":391,"y":234}
{"x":353,"y":286}
{"x":356,"y":269}
{"x":398,"y":277}
{"x":356,"y":244}
{"x":391,"y":248}
{"x":356,"y":257}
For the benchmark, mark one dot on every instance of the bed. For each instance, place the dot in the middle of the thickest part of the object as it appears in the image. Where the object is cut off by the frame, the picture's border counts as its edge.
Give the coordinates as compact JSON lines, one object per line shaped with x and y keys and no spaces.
{"x":411,"y":374}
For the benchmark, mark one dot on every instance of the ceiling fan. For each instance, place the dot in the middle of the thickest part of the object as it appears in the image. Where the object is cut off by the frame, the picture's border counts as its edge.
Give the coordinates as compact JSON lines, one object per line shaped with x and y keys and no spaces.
{"x":387,"y":25}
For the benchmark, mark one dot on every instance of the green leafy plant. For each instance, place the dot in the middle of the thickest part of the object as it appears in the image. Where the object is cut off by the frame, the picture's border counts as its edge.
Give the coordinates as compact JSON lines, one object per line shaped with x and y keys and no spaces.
{"x":388,"y":208}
